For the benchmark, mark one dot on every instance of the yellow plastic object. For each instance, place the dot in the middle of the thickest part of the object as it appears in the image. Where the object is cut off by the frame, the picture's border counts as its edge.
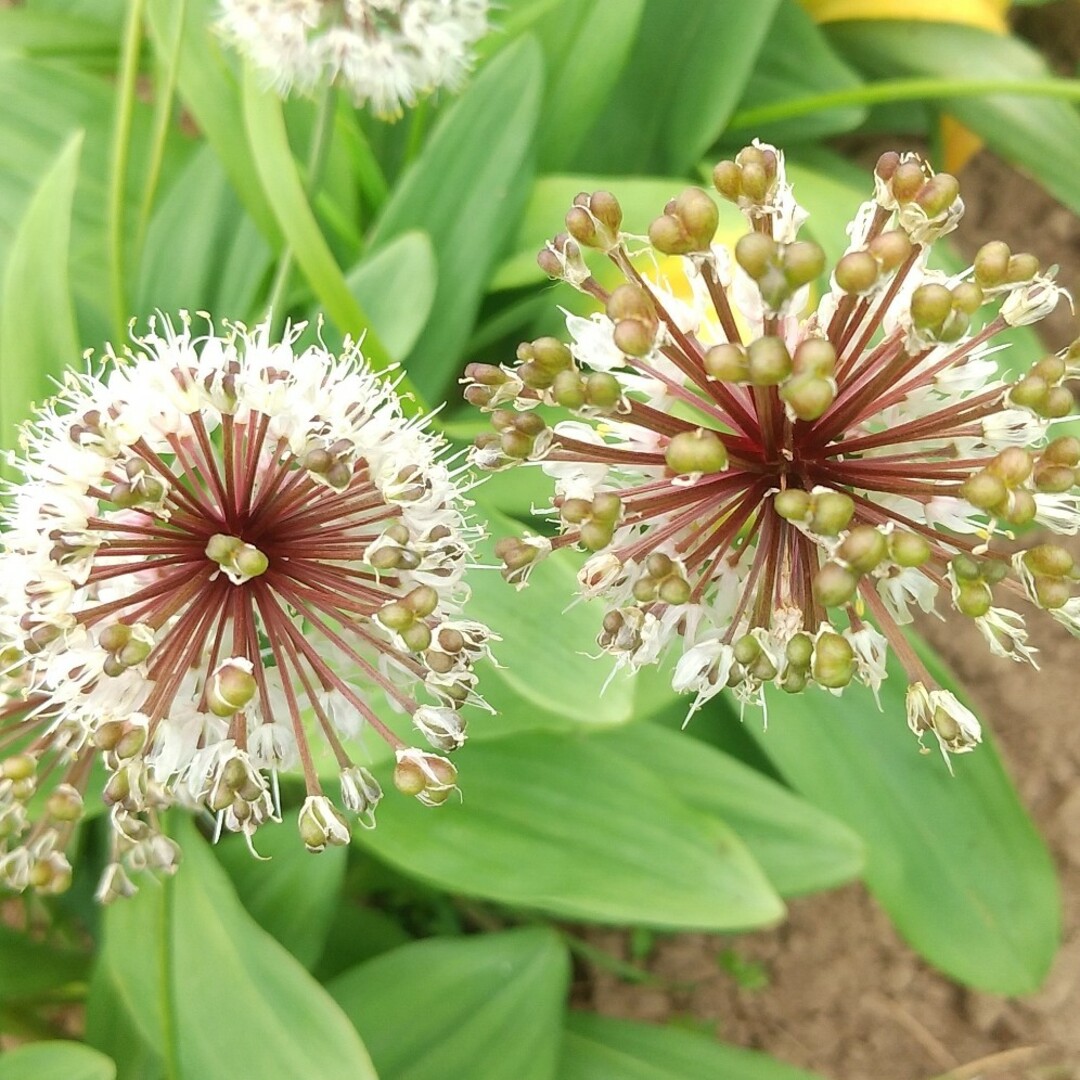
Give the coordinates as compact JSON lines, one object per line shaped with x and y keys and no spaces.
{"x":984,"y":14}
{"x":958,"y":142}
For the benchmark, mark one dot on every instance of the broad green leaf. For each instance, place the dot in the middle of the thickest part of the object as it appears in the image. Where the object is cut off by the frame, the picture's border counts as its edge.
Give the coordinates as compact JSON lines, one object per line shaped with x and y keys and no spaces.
{"x":213,"y":992}
{"x":208,"y":88}
{"x":466,"y":190}
{"x":487,"y":1007}
{"x":542,"y":628}
{"x":202,"y":251}
{"x":955,"y":860}
{"x":243,"y":1006}
{"x":797,"y":61}
{"x":553,"y":823}
{"x":55,"y":1061}
{"x":799,"y":847}
{"x":1040,"y":134}
{"x":293,"y":898}
{"x":397,"y":285}
{"x":29,"y":969}
{"x":40,"y":33}
{"x":264,"y":123}
{"x":602,"y":1048}
{"x":585,"y":48}
{"x":111,"y":1029}
{"x":38,"y":335}
{"x":685,"y":75}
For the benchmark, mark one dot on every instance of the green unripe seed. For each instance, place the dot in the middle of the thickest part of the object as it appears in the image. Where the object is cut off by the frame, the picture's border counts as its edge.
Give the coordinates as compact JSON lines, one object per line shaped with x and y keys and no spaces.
{"x":395,"y":615}
{"x":973,"y":598}
{"x":417,"y":637}
{"x":603,"y":390}
{"x":755,"y":253}
{"x":863,"y":548}
{"x":908,"y":549}
{"x":992,"y":263}
{"x":769,"y":361}
{"x":1012,"y":466}
{"x":1022,"y":267}
{"x":1059,"y":403}
{"x":930,"y":306}
{"x":800,"y":651}
{"x":728,"y":363}
{"x":907,"y":181}
{"x":746,"y":649}
{"x":792,"y":504}
{"x":569,"y":390}
{"x":809,"y":396}
{"x":1049,"y":559}
{"x":833,"y":510}
{"x":1064,"y":450}
{"x":1021,"y":509}
{"x":659,"y":565}
{"x":699,"y":451}
{"x":984,"y":490}
{"x":856,"y":272}
{"x":699,"y":217}
{"x":606,"y":506}
{"x":114,"y":637}
{"x":1050,"y":368}
{"x":1052,"y":592}
{"x":675,"y":590}
{"x":727,"y":179}
{"x":667,"y":235}
{"x":835,"y":585}
{"x":965,"y":568}
{"x":551,"y":355}
{"x":967,"y":297}
{"x":891,"y":249}
{"x":834,"y":661}
{"x":1030,"y":393}
{"x":802,"y":261}
{"x":596,"y":535}
{"x":938,"y":194}
{"x":814,"y":356}
{"x":1054,"y":479}
{"x":633,"y":337}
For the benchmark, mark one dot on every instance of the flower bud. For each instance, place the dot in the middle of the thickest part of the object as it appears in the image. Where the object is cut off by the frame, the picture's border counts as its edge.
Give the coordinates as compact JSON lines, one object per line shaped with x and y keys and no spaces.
{"x":321,"y":824}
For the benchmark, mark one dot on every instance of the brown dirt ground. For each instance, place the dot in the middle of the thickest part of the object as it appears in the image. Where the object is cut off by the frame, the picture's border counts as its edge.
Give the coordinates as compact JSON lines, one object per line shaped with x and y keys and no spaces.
{"x":844,"y":995}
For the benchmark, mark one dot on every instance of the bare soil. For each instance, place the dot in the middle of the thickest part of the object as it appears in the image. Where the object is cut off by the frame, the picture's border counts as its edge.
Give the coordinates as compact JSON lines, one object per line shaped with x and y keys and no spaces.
{"x":841,"y":993}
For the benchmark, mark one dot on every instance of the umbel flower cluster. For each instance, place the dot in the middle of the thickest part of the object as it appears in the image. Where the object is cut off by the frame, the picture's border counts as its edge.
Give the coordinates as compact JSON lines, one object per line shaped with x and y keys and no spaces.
{"x":771,"y":488}
{"x":223,"y":551}
{"x":386,"y":53}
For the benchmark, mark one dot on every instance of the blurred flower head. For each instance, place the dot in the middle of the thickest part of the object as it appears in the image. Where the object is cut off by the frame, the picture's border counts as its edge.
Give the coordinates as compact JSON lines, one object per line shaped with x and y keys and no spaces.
{"x":223,"y":551}
{"x":386,"y":53}
{"x":770,"y":489}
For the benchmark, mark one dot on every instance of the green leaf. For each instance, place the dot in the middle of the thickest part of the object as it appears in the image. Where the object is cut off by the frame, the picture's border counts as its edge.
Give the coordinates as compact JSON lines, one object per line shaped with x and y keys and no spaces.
{"x":243,"y":1006}
{"x":29,"y":968}
{"x":294,"y":897}
{"x":38,"y":334}
{"x":466,"y":190}
{"x":212,"y":991}
{"x":39,"y":33}
{"x":208,"y":89}
{"x":585,"y":47}
{"x":55,"y":1061}
{"x":1040,"y":134}
{"x":397,"y":285}
{"x":797,"y":61}
{"x":486,"y":1007}
{"x":683,"y":80}
{"x":525,"y":620}
{"x":800,"y":848}
{"x":602,"y":1048}
{"x":264,"y":123}
{"x":202,"y":252}
{"x":553,"y":824}
{"x":955,"y":860}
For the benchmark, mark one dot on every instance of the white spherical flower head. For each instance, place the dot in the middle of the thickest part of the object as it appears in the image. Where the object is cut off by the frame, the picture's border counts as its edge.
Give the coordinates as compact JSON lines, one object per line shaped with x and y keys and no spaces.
{"x":384,"y":53}
{"x":771,"y":489}
{"x":225,"y":549}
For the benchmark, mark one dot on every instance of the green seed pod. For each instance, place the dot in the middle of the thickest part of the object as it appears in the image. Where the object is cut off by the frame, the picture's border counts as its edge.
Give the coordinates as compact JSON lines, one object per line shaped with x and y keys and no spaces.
{"x":746,"y":649}
{"x":1022,"y":267}
{"x":1050,"y":368}
{"x":596,"y":535}
{"x":908,"y":549}
{"x":1059,"y":403}
{"x":606,"y":506}
{"x":1052,"y":592}
{"x":800,"y":651}
{"x":1064,"y":450}
{"x":633,"y":337}
{"x":727,"y":179}
{"x":421,"y":601}
{"x":1050,"y":560}
{"x":1030,"y":393}
{"x":863,"y":548}
{"x":992,"y":264}
{"x":802,"y":262}
{"x":793,"y":504}
{"x":1054,"y":479}
{"x":569,"y":390}
{"x":965,"y":568}
{"x":834,"y":661}
{"x":809,"y":396}
{"x":814,"y":356}
{"x":769,"y":361}
{"x":1021,"y":509}
{"x":659,"y":565}
{"x":856,"y":272}
{"x":756,"y":253}
{"x":395,"y":615}
{"x":699,"y":217}
{"x":645,"y":589}
{"x":931,"y":305}
{"x":967,"y":297}
{"x":907,"y":181}
{"x":575,"y":511}
{"x":891,"y":249}
{"x":699,"y":451}
{"x":1012,"y":466}
{"x":938,"y":194}
{"x":417,"y":637}
{"x":728,"y":363}
{"x":675,"y":590}
{"x":835,"y":585}
{"x":984,"y":490}
{"x":973,"y":598}
{"x":832,"y":512}
{"x":602,"y":390}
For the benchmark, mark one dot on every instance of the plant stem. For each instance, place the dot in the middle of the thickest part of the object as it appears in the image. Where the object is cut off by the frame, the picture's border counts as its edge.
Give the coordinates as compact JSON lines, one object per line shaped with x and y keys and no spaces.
{"x":125,"y":109}
{"x":318,"y":151}
{"x":923,"y":89}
